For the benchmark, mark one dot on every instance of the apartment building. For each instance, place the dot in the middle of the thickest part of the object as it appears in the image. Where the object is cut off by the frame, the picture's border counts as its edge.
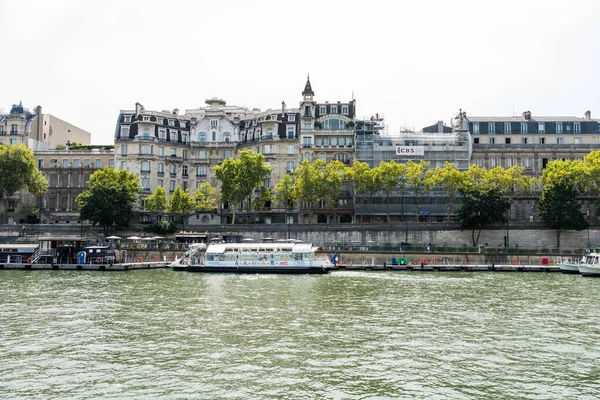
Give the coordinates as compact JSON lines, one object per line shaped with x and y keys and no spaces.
{"x":68,"y":173}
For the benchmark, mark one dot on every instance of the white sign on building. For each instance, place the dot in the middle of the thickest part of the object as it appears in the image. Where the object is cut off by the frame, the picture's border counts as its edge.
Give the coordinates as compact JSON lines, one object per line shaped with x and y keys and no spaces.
{"x":410,"y":150}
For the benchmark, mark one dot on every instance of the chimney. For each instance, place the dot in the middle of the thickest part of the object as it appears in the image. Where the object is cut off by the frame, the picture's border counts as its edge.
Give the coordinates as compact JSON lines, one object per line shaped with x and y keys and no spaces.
{"x":175,"y":111}
{"x":588,"y":115}
{"x":527,"y":115}
{"x":283,"y":107}
{"x":138,"y":108}
{"x":440,"y":126}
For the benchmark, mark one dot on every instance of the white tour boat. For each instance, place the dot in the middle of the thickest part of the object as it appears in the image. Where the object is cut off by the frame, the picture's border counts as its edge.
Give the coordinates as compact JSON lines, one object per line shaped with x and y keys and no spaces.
{"x":569,"y":266}
{"x":591,"y":266}
{"x":278,"y":258}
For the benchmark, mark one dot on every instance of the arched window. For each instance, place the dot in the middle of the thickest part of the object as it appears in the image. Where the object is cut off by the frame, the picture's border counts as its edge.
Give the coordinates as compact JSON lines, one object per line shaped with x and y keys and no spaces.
{"x":214,"y":136}
{"x":307,"y":156}
{"x":343,"y":157}
{"x":334,"y":123}
{"x":146,"y":132}
{"x":322,"y":156}
{"x":202,"y":137}
{"x":226,"y":137}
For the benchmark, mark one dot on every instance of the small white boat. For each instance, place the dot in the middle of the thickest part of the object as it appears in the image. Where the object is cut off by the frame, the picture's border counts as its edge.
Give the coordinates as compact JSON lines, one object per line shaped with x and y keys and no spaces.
{"x":569,"y":266}
{"x":591,"y":266}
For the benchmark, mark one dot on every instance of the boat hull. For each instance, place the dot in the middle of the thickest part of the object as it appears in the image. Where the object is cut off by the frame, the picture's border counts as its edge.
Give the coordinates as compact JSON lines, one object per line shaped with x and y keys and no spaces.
{"x":589,"y":271}
{"x":257,"y":269}
{"x":568,"y":268}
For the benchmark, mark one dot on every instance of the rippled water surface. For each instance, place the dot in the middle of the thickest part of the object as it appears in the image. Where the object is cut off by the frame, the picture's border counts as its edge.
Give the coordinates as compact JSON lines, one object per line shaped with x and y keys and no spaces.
{"x":347,"y":335}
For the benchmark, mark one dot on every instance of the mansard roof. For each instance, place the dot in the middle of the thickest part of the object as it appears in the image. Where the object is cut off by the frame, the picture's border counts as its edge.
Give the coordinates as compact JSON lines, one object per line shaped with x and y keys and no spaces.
{"x":17,"y":109}
{"x":521,"y":118}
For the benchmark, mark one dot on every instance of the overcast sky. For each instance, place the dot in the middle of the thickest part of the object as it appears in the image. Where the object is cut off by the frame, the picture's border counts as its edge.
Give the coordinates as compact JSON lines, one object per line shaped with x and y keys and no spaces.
{"x":415,"y":62}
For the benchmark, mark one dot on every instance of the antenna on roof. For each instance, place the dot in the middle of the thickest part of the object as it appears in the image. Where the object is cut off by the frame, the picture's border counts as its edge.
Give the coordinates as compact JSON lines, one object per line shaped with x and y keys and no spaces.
{"x":513,"y":110}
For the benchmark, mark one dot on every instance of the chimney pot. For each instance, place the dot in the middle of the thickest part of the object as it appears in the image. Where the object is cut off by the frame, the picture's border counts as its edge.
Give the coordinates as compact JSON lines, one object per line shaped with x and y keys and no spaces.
{"x":588,"y":115}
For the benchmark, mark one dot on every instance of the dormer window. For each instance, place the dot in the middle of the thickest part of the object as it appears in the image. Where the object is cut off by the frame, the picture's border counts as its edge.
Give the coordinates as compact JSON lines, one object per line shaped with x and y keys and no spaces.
{"x":127,"y":118}
{"x":146,"y":118}
{"x":214,"y":123}
{"x":333,"y":109}
{"x":345,"y":110}
{"x":182,"y":124}
{"x":291,"y":118}
{"x":171,"y":122}
{"x":322,"y":110}
{"x":159,"y":120}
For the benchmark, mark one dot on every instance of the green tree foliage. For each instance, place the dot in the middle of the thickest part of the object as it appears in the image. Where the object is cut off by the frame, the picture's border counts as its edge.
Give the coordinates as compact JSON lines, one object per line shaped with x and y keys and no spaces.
{"x":240,"y":176}
{"x":451,"y":180}
{"x":29,"y":212}
{"x":206,"y":198}
{"x":572,"y":171}
{"x":181,"y":203}
{"x":481,"y":206}
{"x":284,"y":192}
{"x":18,"y":171}
{"x":110,"y":199}
{"x":332,"y":183}
{"x":158,"y":201}
{"x":559,"y":208}
{"x":420,"y":180}
{"x":359,"y":177}
{"x":511,"y":181}
{"x":262,"y":198}
{"x":307,"y":185}
{"x":391,"y":175}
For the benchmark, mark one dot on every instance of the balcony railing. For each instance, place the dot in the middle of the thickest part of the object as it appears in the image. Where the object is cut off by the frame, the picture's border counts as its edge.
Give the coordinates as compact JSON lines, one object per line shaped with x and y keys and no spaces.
{"x":536,"y":147}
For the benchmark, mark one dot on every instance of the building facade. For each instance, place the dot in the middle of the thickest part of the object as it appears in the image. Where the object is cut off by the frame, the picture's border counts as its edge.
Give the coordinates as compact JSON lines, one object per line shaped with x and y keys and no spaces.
{"x":436,"y":144}
{"x":68,"y":173}
{"x":40,"y":132}
{"x":531,"y":142}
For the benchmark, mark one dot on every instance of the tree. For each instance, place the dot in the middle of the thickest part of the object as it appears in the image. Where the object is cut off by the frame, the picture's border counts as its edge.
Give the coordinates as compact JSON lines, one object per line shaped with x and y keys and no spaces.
{"x":18,"y":171}
{"x":284,"y":194}
{"x":181,"y":203}
{"x":481,"y":206}
{"x":359,"y":176}
{"x":420,"y":181}
{"x":206,"y":197}
{"x":451,"y":180}
{"x":307,"y":185}
{"x":391,"y":175}
{"x":332,"y":184}
{"x":560,"y":210}
{"x":110,"y":199}
{"x":240,"y":176}
{"x":29,"y":212}
{"x":261,"y":199}
{"x":157,"y":202}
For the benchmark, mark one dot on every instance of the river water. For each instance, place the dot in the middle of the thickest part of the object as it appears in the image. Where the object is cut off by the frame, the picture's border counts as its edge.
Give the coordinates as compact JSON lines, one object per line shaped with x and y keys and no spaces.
{"x":346,"y":335}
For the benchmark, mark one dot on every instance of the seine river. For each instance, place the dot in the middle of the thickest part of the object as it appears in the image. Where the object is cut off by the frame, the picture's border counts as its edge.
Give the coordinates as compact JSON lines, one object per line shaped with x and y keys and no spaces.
{"x":346,"y":335}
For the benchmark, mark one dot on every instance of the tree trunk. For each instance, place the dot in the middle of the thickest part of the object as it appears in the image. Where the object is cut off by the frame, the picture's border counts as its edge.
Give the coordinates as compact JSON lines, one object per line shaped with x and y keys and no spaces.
{"x":558,"y":238}
{"x":475,"y":241}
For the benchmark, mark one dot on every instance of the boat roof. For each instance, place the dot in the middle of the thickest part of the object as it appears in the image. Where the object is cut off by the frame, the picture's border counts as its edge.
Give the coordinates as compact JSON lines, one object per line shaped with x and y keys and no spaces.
{"x":97,"y":247}
{"x":18,"y":246}
{"x":294,"y":247}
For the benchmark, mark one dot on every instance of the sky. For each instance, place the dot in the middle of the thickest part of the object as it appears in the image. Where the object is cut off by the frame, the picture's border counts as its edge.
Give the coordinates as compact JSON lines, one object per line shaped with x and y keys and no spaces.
{"x":414,"y":62}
